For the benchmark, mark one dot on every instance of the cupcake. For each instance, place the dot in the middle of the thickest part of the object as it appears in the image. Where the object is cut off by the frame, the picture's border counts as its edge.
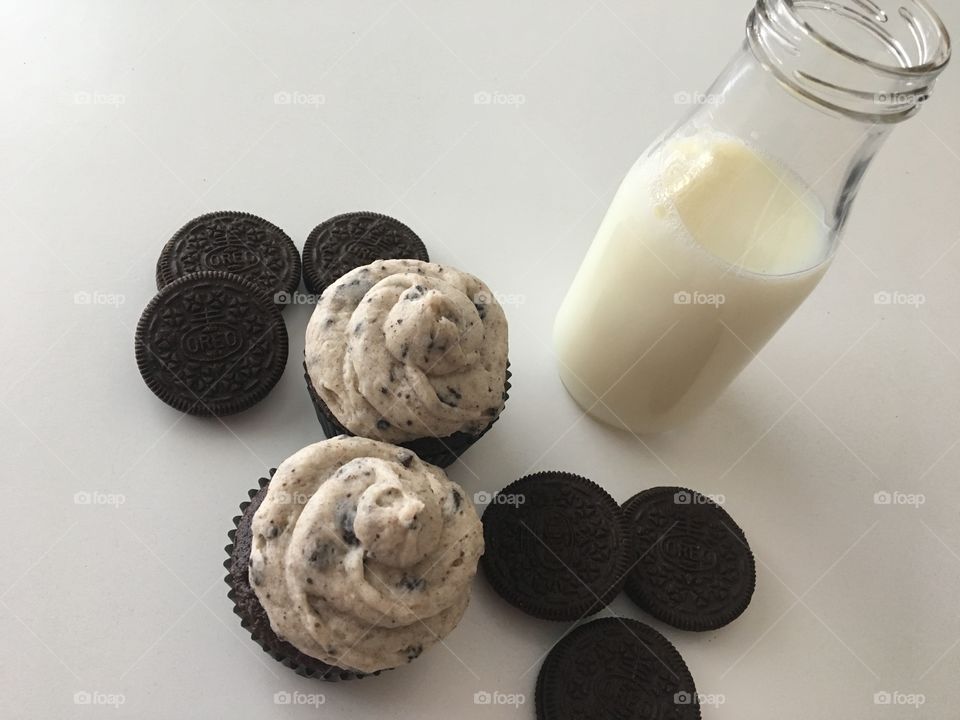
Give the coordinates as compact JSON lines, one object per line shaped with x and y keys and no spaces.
{"x":411,"y":353}
{"x":352,"y":558}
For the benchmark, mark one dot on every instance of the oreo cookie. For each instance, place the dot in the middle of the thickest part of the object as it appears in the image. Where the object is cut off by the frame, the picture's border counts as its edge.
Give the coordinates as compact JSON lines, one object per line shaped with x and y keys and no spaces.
{"x":247,"y":606}
{"x":692,"y":565}
{"x":237,"y":243}
{"x":556,"y":546}
{"x":211,"y":343}
{"x":342,"y":243}
{"x":615,"y":668}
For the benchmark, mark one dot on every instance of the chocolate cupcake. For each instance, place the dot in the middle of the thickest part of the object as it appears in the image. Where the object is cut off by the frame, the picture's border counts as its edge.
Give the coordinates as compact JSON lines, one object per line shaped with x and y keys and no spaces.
{"x":353,"y":558}
{"x":410,"y":353}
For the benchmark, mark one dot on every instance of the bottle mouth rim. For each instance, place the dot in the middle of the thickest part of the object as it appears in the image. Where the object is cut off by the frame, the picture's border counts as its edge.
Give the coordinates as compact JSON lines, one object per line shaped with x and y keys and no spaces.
{"x":939,"y":56}
{"x":791,"y":38}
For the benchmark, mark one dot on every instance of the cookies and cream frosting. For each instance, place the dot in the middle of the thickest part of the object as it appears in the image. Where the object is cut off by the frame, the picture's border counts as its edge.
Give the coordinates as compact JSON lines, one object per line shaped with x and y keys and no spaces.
{"x":362,"y":555}
{"x":404,"y":349}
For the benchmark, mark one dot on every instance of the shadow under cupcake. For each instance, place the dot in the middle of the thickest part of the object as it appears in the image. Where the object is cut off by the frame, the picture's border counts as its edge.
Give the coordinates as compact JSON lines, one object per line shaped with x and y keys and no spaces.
{"x":411,"y":353}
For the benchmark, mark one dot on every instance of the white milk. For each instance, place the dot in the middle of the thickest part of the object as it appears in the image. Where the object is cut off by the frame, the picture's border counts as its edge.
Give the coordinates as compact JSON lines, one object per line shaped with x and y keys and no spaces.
{"x":707,"y":248}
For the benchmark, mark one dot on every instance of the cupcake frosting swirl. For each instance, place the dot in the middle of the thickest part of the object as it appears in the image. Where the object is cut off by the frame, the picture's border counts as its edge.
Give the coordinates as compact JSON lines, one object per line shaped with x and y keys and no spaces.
{"x":404,"y":349}
{"x":362,"y":554}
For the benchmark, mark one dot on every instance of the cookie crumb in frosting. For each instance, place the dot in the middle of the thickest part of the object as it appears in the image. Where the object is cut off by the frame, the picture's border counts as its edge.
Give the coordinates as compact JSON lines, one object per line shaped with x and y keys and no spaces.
{"x":421,"y":332}
{"x":362,"y":560}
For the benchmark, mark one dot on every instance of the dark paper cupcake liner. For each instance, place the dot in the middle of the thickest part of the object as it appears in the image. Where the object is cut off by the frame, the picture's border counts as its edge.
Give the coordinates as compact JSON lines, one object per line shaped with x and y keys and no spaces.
{"x":442,"y":451}
{"x":247,"y":606}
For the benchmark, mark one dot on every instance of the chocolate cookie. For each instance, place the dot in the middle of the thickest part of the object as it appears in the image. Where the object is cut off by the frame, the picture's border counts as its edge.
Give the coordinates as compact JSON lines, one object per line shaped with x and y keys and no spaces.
{"x":246,"y":605}
{"x":615,"y":668}
{"x":233,"y":242}
{"x":556,"y":546}
{"x":693,"y":568}
{"x":342,"y":243}
{"x":211,"y":343}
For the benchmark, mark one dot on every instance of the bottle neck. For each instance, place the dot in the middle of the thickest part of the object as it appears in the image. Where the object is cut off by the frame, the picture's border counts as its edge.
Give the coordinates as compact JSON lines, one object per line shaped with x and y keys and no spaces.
{"x":828,"y":152}
{"x":819,"y":84}
{"x":875,"y":60}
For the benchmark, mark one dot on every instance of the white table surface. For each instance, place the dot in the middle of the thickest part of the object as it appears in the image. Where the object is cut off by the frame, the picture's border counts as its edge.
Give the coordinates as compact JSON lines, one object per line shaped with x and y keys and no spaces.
{"x":121,"y":120}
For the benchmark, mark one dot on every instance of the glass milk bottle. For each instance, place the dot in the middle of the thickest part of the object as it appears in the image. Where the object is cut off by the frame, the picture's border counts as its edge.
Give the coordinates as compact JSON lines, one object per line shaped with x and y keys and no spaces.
{"x":727,"y":222}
